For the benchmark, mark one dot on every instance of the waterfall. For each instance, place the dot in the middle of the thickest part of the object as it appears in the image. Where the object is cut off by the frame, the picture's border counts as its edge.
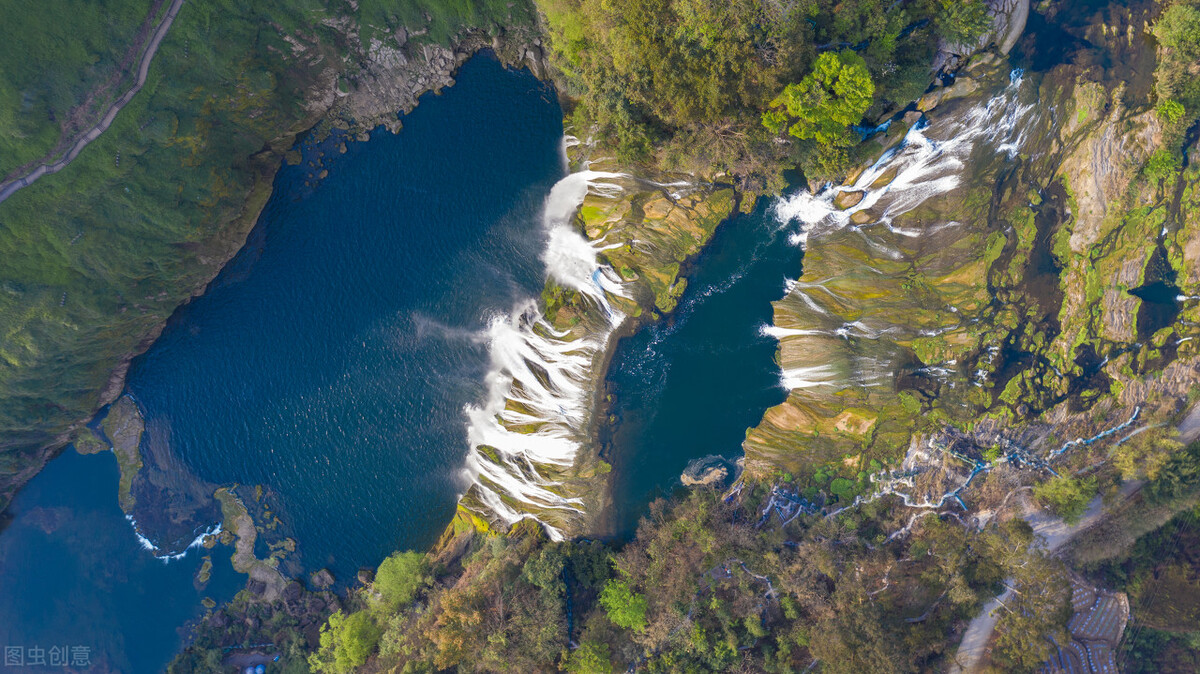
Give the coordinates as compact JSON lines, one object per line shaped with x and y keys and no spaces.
{"x":920,"y":167}
{"x":534,"y":417}
{"x":923,"y":165}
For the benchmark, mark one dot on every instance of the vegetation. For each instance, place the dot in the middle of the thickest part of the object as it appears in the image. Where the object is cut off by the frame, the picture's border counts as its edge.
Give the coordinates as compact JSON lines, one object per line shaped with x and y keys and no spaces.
{"x":685,"y":83}
{"x":346,"y":642}
{"x":1067,"y":497}
{"x":1143,"y":456}
{"x":52,"y":55}
{"x":825,"y":103}
{"x":962,"y":22}
{"x":400,"y":577}
{"x":700,"y":588}
{"x":1161,"y":574}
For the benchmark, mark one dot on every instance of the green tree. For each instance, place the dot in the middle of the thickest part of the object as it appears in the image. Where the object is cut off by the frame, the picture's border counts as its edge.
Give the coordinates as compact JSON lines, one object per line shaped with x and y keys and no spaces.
{"x":1067,"y":497}
{"x":1040,"y":607}
{"x":829,"y":99}
{"x":400,"y":577}
{"x":962,"y":22}
{"x":346,"y":643}
{"x":625,"y":607}
{"x":545,"y":571}
{"x":1178,"y":33}
{"x":1144,"y":455}
{"x":592,"y":657}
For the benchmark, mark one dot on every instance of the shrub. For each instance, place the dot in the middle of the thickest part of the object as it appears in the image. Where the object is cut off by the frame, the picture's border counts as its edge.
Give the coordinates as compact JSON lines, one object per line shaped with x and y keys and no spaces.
{"x":592,"y":657}
{"x":1067,"y":497}
{"x":346,"y":643}
{"x":400,"y":577}
{"x":625,"y":607}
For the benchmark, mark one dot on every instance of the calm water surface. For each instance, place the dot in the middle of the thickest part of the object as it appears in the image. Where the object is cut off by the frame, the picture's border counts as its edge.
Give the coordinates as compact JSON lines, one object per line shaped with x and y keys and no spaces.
{"x":689,"y":386}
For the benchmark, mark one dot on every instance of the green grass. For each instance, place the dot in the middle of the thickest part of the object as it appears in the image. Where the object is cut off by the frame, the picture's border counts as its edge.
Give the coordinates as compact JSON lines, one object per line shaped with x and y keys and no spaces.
{"x":440,"y":20}
{"x":52,"y":54}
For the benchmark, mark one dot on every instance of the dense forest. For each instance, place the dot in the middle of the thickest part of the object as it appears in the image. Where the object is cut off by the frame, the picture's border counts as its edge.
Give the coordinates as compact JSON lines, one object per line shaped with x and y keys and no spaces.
{"x":704,"y":86}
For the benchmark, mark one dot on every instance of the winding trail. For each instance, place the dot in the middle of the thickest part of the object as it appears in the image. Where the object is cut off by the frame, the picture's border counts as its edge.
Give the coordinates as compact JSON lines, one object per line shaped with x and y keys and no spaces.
{"x":7,"y":189}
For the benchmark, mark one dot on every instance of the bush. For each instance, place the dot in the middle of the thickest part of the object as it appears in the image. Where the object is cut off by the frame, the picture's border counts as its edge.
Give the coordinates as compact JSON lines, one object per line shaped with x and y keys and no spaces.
{"x":625,"y":607}
{"x":1067,"y":497}
{"x":346,"y":643}
{"x":592,"y":657}
{"x":1162,"y":165}
{"x":828,"y":100}
{"x":400,"y":577}
{"x":962,"y":22}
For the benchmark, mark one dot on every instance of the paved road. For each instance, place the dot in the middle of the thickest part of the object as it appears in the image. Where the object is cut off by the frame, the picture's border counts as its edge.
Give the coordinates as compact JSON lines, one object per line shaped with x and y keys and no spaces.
{"x":7,"y":189}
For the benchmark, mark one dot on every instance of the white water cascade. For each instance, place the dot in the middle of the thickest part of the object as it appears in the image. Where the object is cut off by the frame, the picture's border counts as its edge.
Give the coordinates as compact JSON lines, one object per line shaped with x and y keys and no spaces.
{"x":923,"y":167}
{"x":538,"y":399}
{"x":918,"y":168}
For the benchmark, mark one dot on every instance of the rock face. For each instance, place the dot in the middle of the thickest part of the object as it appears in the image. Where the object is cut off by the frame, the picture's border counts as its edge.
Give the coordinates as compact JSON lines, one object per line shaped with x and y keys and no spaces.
{"x":1005,"y":292}
{"x":321,"y":579}
{"x":710,"y":471}
{"x":396,"y":71}
{"x":1008,"y":22}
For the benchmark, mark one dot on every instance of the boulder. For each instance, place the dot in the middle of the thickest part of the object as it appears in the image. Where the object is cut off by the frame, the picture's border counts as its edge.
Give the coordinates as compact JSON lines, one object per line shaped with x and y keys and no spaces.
{"x":321,"y":580}
{"x":709,"y":476}
{"x":848,"y":199}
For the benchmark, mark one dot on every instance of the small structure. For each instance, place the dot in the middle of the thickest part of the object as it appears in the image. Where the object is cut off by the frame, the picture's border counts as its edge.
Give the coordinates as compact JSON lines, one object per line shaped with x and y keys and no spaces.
{"x":1096,"y":629}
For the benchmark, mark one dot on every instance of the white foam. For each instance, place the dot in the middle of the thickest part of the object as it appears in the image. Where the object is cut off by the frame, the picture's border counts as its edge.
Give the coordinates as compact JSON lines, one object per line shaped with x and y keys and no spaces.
{"x":924,"y":167}
{"x":920,"y":167}
{"x":150,"y":547}
{"x":540,"y":378}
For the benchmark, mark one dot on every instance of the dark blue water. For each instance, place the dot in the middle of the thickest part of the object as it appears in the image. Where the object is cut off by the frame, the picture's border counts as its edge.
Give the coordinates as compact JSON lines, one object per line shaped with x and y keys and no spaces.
{"x":331,"y":360}
{"x":691,"y":385}
{"x":73,"y":575}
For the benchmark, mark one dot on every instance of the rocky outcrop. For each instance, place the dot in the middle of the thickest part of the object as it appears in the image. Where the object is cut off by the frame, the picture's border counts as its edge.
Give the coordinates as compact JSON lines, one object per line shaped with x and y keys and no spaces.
{"x":265,"y":582}
{"x":997,"y":293}
{"x":124,"y":427}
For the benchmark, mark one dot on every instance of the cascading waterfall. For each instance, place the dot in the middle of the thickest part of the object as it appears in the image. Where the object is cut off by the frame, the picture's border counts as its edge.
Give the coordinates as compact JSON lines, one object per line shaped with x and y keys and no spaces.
{"x":538,"y":390}
{"x":924,"y":167}
{"x":918,"y":168}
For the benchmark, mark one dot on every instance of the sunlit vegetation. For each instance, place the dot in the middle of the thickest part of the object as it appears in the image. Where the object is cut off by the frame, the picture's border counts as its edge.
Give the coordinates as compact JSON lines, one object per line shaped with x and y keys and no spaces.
{"x":1067,"y":497}
{"x":685,"y":82}
{"x":701,"y":588}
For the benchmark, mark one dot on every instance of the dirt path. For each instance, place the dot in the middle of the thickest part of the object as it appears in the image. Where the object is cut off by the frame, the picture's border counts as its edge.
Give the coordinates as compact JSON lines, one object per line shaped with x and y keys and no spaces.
{"x":8,"y":188}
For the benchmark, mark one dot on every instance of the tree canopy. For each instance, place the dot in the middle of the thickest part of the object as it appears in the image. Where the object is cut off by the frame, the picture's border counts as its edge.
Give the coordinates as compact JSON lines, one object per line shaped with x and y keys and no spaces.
{"x":828,"y":100}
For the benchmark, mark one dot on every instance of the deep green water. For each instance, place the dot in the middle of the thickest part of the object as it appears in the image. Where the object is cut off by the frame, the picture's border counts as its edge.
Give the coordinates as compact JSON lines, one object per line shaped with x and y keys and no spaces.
{"x":689,"y":386}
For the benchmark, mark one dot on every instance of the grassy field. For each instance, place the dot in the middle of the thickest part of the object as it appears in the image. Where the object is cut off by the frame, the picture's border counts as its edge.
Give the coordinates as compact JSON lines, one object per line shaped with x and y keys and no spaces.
{"x":52,"y":55}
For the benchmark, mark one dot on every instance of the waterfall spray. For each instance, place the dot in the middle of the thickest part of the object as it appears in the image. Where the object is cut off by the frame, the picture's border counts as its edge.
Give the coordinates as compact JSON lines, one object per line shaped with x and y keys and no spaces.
{"x":533,"y":420}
